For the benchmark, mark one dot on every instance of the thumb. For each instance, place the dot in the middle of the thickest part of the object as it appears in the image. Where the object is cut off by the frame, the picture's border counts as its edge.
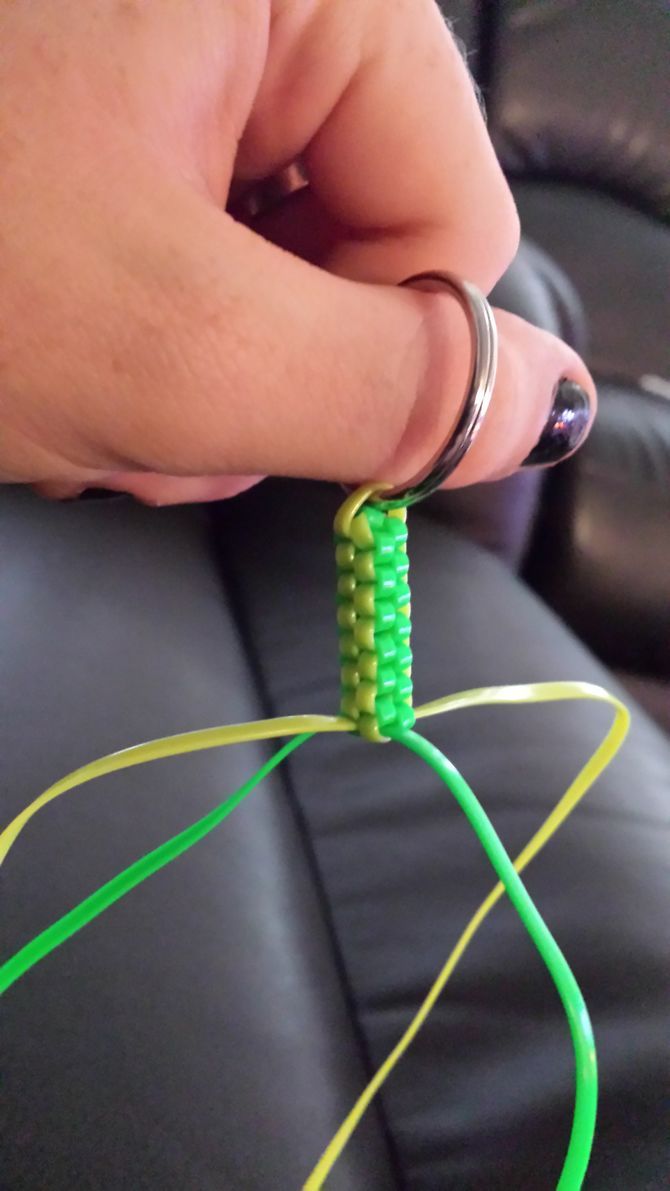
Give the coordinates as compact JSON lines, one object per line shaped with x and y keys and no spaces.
{"x":269,"y":365}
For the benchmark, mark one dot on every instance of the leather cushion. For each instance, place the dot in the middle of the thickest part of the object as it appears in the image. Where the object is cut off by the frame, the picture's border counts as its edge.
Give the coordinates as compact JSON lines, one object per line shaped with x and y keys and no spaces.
{"x":484,"y":1098}
{"x":618,"y":260}
{"x":197,"y":1035}
{"x":580,"y":93}
{"x":602,"y":555}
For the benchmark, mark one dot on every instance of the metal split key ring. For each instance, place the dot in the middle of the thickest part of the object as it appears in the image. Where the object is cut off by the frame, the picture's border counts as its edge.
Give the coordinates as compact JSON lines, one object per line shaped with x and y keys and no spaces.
{"x":482,"y":378}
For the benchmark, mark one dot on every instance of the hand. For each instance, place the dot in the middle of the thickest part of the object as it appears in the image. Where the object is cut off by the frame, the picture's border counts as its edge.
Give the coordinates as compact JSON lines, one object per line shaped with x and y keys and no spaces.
{"x":151,"y":341}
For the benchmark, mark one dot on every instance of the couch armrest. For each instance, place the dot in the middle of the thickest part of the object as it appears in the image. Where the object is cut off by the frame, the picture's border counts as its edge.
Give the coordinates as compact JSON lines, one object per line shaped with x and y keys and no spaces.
{"x":600,"y":554}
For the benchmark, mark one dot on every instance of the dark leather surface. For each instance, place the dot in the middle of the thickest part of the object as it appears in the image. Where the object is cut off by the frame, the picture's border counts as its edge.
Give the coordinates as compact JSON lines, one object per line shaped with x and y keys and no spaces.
{"x":535,"y":288}
{"x":618,"y":260}
{"x":581,"y":93}
{"x":196,"y":1037}
{"x":498,"y":516}
{"x":652,"y":694}
{"x":484,"y":1099}
{"x":579,"y":115}
{"x":604,"y":561}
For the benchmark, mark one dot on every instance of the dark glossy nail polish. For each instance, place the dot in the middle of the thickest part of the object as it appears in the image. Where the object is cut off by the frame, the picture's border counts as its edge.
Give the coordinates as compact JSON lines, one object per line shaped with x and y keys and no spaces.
{"x":565,"y":428}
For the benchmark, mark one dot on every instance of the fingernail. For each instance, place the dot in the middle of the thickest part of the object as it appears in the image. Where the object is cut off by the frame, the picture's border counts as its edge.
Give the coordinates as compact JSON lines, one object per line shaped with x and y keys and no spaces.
{"x":565,"y":427}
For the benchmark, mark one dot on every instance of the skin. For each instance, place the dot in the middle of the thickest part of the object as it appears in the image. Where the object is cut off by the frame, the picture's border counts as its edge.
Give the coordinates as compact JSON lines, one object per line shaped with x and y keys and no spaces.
{"x":157,"y":337}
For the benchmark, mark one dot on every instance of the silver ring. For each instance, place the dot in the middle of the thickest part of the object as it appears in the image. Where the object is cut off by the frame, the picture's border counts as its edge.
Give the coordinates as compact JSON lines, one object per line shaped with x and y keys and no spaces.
{"x":482,"y":378}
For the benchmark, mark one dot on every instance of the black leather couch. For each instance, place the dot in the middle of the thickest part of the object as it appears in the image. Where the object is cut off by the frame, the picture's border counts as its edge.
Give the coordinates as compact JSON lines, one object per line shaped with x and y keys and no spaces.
{"x":212,"y":1029}
{"x":581,"y":120}
{"x":576,"y":94}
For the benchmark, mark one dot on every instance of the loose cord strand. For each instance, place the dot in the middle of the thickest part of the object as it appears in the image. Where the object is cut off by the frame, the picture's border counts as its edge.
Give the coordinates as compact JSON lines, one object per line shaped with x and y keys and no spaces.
{"x":104,"y":897}
{"x":546,"y":692}
{"x":586,"y":1090}
{"x":171,"y":746}
{"x":214,"y":737}
{"x":597,"y":763}
{"x":581,"y":1137}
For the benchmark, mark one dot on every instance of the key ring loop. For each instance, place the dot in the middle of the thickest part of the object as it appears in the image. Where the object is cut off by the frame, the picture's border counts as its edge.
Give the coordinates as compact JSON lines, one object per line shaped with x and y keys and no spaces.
{"x":482,"y":379}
